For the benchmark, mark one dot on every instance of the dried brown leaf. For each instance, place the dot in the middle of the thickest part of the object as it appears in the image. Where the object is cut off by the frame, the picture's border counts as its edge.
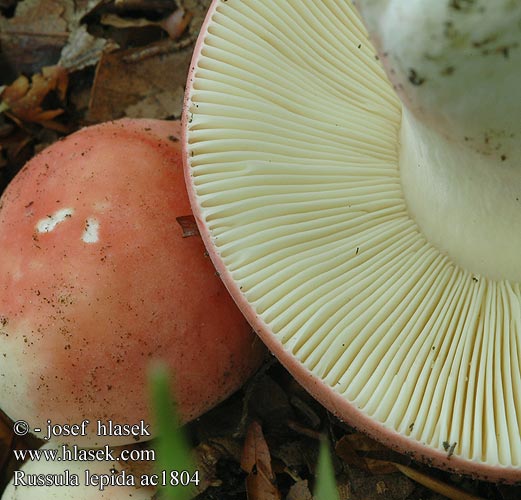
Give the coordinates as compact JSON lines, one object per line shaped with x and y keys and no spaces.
{"x":14,"y":92}
{"x":300,"y":491}
{"x":198,"y":8}
{"x":82,"y":50}
{"x":116,"y":21}
{"x":360,"y":486}
{"x":353,"y":448}
{"x":376,"y":466}
{"x":255,"y":452}
{"x":256,"y":461}
{"x":36,"y":34}
{"x":22,"y":100}
{"x":123,"y":83}
{"x":435,"y":484}
{"x":361,"y":442}
{"x":346,"y":451}
{"x":156,"y":5}
{"x":174,"y":24}
{"x":259,"y":487}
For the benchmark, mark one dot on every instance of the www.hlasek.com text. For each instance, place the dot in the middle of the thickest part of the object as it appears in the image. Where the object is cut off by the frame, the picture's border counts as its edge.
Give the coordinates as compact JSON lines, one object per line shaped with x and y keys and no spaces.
{"x":74,"y":453}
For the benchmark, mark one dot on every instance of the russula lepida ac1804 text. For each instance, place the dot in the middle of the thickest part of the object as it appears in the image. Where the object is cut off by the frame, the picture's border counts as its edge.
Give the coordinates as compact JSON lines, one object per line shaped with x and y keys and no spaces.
{"x":64,"y":478}
{"x":373,"y":243}
{"x":97,"y":281}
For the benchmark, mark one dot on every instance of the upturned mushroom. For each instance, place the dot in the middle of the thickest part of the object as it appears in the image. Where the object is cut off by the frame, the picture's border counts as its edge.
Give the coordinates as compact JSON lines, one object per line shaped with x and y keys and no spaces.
{"x":373,"y":243}
{"x":97,"y":280}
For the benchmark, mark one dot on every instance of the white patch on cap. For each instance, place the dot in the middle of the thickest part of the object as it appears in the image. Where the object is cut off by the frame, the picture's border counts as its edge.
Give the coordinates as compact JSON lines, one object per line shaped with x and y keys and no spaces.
{"x":51,"y":221}
{"x":91,"y":231}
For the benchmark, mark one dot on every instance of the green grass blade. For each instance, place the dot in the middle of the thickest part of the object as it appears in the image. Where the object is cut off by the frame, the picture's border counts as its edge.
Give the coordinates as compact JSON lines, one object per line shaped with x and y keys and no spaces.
{"x":172,"y":450}
{"x":325,"y":486}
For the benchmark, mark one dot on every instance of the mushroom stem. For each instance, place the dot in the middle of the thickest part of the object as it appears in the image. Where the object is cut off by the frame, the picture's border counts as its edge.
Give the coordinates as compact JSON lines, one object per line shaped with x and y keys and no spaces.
{"x":456,"y":66}
{"x":467,"y":204}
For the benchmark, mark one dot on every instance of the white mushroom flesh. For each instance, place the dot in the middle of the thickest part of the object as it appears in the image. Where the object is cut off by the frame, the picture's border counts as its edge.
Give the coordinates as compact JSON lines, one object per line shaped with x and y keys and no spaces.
{"x":457,"y":66}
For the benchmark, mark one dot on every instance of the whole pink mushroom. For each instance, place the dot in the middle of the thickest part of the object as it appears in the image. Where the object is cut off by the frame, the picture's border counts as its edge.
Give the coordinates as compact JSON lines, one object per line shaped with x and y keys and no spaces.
{"x":97,"y":281}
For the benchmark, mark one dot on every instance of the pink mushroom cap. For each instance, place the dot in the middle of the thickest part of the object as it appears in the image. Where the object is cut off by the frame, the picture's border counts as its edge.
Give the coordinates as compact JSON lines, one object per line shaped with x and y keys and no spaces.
{"x":97,"y":281}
